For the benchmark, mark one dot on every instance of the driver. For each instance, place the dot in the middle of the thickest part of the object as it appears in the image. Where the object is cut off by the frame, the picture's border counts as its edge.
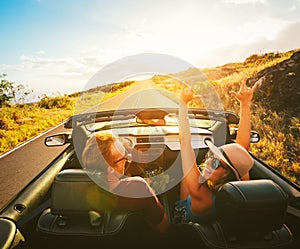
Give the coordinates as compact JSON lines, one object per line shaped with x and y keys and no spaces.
{"x":105,"y":153}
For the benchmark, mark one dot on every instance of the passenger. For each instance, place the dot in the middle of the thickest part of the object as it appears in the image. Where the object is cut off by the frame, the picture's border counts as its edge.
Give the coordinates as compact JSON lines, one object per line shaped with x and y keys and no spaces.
{"x":223,"y":164}
{"x":133,"y":193}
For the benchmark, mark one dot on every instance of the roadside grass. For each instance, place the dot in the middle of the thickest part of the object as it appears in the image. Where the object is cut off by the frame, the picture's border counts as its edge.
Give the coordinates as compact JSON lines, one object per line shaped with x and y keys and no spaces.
{"x":20,"y":123}
{"x":117,"y":89}
{"x":279,"y":145}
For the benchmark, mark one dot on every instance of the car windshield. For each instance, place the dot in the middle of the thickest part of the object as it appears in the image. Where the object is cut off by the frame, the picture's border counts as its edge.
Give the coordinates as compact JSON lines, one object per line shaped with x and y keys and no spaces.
{"x":169,"y":120}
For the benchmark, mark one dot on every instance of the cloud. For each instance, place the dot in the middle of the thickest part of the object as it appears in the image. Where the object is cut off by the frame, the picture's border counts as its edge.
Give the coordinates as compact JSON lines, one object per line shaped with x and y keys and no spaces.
{"x":40,"y":52}
{"x":40,"y":68}
{"x":39,"y":62}
{"x":281,"y":43}
{"x":91,"y":60}
{"x":52,"y":75}
{"x":289,"y":37}
{"x":81,"y":67}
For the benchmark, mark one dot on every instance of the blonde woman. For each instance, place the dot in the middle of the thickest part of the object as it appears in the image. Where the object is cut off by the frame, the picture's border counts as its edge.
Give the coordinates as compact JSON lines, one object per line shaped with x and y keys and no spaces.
{"x":106,"y":154}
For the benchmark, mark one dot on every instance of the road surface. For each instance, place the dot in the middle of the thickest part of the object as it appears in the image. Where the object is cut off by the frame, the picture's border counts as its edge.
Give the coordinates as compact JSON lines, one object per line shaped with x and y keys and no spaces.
{"x":22,"y":164}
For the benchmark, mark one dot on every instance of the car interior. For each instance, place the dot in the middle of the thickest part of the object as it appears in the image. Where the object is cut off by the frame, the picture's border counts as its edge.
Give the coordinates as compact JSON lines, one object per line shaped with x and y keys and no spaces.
{"x":63,"y":207}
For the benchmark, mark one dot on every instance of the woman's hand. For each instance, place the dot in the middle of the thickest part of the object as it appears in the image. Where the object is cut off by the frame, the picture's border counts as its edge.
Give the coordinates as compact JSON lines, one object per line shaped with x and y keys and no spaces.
{"x":187,"y":95}
{"x":245,"y":94}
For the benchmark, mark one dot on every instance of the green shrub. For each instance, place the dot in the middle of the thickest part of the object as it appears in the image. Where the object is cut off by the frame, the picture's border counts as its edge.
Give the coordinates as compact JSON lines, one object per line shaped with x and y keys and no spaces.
{"x":64,"y":102}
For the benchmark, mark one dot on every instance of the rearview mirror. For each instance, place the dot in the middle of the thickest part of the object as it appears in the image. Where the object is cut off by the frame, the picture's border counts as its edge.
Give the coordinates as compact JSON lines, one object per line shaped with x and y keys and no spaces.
{"x":254,"y":136}
{"x":152,"y":121}
{"x":58,"y":139}
{"x":151,"y":117}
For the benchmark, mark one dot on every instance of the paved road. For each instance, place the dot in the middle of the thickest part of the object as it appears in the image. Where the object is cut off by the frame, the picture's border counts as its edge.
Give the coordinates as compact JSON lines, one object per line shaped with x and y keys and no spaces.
{"x":142,"y":95}
{"x":21,"y":165}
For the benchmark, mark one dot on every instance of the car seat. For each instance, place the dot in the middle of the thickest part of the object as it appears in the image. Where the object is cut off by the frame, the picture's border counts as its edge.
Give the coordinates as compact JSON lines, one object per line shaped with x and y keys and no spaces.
{"x":250,"y":214}
{"x":81,"y":209}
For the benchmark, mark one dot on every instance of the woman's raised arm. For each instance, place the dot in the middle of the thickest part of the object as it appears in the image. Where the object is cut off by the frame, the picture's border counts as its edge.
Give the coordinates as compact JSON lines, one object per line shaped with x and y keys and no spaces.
{"x":244,"y":96}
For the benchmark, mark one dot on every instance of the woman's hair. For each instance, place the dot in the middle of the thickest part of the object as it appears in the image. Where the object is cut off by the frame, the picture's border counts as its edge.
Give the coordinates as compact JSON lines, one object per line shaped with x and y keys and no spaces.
{"x":97,"y":151}
{"x":227,"y":177}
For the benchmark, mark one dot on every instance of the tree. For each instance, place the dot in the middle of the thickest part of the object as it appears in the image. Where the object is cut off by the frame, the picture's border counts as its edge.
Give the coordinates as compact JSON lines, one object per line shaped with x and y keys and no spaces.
{"x":9,"y":91}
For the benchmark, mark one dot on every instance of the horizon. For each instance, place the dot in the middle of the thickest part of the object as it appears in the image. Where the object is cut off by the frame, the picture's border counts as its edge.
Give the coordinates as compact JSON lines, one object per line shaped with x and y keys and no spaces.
{"x":56,"y":47}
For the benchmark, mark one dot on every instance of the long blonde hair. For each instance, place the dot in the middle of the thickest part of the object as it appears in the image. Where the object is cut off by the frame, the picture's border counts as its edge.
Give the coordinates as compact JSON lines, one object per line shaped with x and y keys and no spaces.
{"x":227,"y":177}
{"x":98,"y":150}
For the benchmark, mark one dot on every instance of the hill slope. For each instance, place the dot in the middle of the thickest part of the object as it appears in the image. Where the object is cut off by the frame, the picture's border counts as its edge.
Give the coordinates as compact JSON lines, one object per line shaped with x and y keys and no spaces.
{"x":276,"y":105}
{"x":281,"y":86}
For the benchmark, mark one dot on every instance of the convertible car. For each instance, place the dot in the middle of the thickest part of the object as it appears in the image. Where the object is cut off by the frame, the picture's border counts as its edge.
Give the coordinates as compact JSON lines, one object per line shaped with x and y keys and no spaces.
{"x":63,"y":206}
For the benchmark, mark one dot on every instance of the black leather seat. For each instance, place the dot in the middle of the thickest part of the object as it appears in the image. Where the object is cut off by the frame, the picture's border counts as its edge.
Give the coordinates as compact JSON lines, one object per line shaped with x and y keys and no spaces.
{"x":80,"y":208}
{"x":250,"y":214}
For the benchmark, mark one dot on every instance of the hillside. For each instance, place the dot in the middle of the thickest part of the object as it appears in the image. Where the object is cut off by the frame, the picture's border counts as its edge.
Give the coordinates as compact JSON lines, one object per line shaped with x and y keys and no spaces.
{"x":278,"y":115}
{"x":281,"y":86}
{"x":276,"y":104}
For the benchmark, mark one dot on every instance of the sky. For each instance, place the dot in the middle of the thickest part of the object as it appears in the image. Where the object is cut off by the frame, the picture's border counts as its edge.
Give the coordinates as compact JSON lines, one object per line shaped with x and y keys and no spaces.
{"x":56,"y":46}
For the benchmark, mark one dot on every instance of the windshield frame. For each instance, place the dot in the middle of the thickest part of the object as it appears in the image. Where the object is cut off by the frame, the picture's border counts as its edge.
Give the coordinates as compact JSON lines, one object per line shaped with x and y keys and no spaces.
{"x":121,"y":118}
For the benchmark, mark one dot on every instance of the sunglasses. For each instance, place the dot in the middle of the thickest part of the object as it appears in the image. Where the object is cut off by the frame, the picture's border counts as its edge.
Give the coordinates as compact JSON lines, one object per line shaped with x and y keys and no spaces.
{"x":215,"y":162}
{"x":127,"y":157}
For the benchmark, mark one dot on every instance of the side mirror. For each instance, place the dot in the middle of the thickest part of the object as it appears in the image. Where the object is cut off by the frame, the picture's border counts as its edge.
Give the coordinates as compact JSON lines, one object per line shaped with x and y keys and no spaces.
{"x":254,"y":136}
{"x":58,"y":139}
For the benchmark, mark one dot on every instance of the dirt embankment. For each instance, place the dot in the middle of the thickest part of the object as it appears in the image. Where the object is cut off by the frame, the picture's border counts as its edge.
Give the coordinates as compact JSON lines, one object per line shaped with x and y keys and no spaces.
{"x":281,"y":86}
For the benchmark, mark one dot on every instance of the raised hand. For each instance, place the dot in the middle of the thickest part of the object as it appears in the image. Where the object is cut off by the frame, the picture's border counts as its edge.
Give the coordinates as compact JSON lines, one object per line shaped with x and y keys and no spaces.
{"x":187,"y":95}
{"x":245,"y":94}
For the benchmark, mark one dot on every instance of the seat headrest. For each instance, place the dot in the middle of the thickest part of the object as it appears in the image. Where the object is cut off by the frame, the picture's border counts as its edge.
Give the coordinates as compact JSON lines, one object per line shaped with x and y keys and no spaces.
{"x":74,"y":192}
{"x":254,"y":205}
